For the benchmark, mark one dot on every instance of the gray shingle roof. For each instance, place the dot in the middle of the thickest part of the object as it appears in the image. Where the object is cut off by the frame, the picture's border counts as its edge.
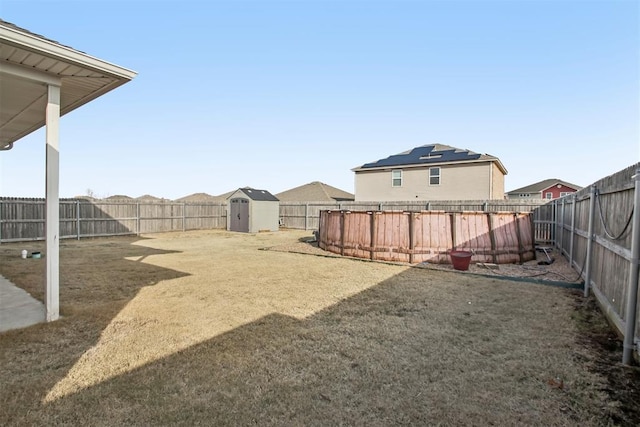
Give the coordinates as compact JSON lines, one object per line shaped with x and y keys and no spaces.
{"x":258,"y":195}
{"x":428,"y":154}
{"x":543,"y":185}
{"x":119,"y":197}
{"x":23,"y":30}
{"x":149,"y":198}
{"x":198,"y":197}
{"x":315,"y":192}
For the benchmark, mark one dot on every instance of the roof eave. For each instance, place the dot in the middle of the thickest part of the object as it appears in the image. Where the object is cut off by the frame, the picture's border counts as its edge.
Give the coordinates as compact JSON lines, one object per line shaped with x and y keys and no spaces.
{"x":418,"y":165}
{"x":39,"y":45}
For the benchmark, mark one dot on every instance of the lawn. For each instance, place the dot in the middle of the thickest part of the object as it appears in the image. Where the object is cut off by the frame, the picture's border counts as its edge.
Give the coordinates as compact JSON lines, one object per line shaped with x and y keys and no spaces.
{"x":212,"y":328}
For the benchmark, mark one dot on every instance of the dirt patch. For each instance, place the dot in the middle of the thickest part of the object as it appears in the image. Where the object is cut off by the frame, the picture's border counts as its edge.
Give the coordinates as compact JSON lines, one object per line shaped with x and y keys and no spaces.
{"x":622,"y":381}
{"x":557,"y":270}
{"x":210,"y":328}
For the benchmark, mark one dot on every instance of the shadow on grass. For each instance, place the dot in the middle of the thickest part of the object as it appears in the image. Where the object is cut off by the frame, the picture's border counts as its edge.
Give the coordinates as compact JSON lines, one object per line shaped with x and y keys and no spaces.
{"x":419,"y":348}
{"x":44,"y":353}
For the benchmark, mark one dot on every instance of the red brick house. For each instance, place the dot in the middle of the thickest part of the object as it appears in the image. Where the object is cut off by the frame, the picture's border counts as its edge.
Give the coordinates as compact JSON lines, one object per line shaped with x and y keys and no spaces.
{"x":548,"y":189}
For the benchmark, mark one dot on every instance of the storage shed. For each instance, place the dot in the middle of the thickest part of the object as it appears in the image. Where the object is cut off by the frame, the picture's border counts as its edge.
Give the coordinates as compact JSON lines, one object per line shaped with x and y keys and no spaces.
{"x":251,"y":210}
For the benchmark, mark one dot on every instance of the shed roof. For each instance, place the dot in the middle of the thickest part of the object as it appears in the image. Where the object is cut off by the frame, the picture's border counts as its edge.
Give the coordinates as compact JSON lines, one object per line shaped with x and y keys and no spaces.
{"x":315,"y":191}
{"x":257,"y":195}
{"x":543,"y":185}
{"x":430,"y":154}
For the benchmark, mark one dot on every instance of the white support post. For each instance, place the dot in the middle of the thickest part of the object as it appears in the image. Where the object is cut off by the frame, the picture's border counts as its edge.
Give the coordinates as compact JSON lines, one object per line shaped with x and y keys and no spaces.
{"x":52,"y":224}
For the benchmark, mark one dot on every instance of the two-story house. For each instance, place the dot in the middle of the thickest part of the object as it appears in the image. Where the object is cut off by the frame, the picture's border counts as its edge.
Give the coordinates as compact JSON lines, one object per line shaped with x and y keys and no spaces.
{"x":431,"y":172}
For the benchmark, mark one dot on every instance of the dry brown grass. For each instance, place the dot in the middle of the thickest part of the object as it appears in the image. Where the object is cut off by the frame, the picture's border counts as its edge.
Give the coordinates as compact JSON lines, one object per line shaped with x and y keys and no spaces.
{"x":206,"y":328}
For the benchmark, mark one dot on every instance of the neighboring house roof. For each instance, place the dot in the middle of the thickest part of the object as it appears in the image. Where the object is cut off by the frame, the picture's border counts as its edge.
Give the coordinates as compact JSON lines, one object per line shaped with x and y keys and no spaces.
{"x":315,"y":192}
{"x":225,"y":196}
{"x":149,"y":198}
{"x":435,"y":154}
{"x":543,"y":185}
{"x":257,"y":195}
{"x":197,"y":197}
{"x":119,"y":197}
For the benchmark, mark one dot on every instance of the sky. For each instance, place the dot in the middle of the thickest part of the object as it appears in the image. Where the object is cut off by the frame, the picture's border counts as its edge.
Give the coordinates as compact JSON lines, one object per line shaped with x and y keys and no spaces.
{"x":277,"y":94}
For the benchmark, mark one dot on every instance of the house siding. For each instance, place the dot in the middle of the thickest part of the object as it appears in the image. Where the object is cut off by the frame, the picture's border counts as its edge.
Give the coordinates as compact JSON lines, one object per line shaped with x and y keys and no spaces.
{"x":457,"y":182}
{"x":555,"y":191}
{"x":497,"y":183}
{"x":531,"y":196}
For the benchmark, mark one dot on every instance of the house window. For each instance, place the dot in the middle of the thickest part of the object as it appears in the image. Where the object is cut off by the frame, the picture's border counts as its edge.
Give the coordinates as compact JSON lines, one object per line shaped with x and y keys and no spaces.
{"x":396,"y":178}
{"x":548,"y":195}
{"x":525,"y":195}
{"x":564,"y":193}
{"x":434,"y":176}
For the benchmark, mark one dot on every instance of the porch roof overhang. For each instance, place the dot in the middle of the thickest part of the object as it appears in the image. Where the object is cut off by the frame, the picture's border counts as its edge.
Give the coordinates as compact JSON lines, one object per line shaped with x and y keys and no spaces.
{"x":29,"y":63}
{"x":40,"y":80}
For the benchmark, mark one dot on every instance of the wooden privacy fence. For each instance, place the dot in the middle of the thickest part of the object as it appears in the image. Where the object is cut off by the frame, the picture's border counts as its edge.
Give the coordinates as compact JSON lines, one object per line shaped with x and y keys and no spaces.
{"x":306,"y":216}
{"x":428,"y":236}
{"x":595,"y":229}
{"x":24,"y":219}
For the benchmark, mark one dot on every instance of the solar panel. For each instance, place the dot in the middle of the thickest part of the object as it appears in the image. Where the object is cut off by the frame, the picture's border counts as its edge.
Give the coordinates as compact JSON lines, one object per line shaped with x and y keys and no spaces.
{"x":424,"y":155}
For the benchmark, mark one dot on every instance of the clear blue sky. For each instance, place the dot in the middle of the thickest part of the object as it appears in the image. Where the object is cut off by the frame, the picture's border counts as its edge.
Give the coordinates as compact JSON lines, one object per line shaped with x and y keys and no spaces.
{"x":276,"y":94}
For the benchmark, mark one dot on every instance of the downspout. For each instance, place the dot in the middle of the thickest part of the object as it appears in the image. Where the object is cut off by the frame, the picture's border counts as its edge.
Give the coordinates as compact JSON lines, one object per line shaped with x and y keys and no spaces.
{"x":632,"y":294}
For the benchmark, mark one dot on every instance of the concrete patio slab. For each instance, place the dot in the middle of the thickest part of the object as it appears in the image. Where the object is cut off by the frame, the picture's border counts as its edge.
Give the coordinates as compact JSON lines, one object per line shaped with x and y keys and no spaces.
{"x":18,"y":309}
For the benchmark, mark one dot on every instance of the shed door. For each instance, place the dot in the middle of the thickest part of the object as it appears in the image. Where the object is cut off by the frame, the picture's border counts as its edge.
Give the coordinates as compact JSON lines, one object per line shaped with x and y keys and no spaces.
{"x":239,"y":212}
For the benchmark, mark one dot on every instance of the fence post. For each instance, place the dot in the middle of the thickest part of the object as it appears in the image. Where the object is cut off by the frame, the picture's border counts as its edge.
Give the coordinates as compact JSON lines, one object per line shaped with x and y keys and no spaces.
{"x":380,"y":207}
{"x":428,"y":207}
{"x":137,"y":218}
{"x":632,"y":294}
{"x":554,"y":227}
{"x":342,"y":232}
{"x":573,"y":228}
{"x":373,"y":235}
{"x":184,"y":217}
{"x":592,"y":214}
{"x":562,"y":209}
{"x":0,"y":222}
{"x":78,"y":218}
{"x":412,"y":243}
{"x":306,"y":216}
{"x":485,"y":206}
